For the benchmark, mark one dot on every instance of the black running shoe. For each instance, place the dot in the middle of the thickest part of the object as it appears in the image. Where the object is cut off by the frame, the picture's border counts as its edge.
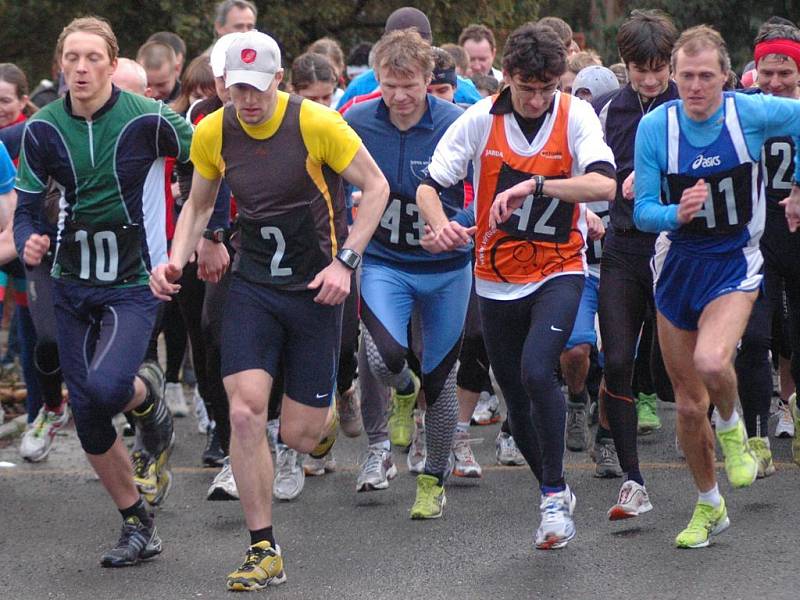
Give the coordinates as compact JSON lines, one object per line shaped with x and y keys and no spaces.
{"x":155,"y":426}
{"x":137,"y":542}
{"x":213,"y":456}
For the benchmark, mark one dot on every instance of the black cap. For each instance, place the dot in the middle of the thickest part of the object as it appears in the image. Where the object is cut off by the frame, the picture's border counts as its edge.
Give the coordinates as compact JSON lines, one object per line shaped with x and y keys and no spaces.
{"x":407,"y":17}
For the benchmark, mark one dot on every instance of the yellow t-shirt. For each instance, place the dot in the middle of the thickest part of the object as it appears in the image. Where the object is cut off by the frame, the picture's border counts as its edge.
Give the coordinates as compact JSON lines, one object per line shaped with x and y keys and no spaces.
{"x":327,"y":137}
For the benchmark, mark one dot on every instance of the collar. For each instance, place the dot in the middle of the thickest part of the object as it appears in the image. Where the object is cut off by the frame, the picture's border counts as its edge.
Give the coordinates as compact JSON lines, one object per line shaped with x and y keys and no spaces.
{"x":425,"y":122}
{"x":504,"y":106}
{"x":115,"y":94}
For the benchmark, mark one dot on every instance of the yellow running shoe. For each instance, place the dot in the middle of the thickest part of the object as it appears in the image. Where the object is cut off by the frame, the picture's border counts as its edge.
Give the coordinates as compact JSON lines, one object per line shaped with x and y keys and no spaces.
{"x":795,"y":412}
{"x":262,"y":566}
{"x":760,"y":448}
{"x":401,"y":421}
{"x":430,"y":498}
{"x":705,"y":522}
{"x":329,"y":439}
{"x":741,"y":465}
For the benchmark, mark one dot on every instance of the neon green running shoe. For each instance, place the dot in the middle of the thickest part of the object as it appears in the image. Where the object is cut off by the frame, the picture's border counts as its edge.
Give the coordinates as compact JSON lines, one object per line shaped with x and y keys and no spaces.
{"x":760,"y":448}
{"x":401,"y":421}
{"x":741,"y":465}
{"x":705,"y":522}
{"x":795,"y":412}
{"x":430,"y":498}
{"x":646,"y":413}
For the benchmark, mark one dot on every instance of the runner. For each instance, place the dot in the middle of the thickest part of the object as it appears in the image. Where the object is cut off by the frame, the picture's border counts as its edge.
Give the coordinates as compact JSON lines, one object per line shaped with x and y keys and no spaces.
{"x":291,"y":274}
{"x":537,"y":153}
{"x":703,"y":152}
{"x":103,"y":147}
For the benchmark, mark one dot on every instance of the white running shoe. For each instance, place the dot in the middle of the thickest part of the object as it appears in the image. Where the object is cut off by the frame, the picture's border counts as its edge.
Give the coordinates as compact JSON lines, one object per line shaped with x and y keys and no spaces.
{"x":507,"y":452}
{"x":176,"y":403}
{"x":200,"y":412}
{"x":315,"y":467}
{"x":785,"y":426}
{"x":349,"y":407}
{"x":632,"y":502}
{"x":377,"y":469}
{"x":556,"y":527}
{"x":487,"y":411}
{"x":273,"y":426}
{"x":417,"y":452}
{"x":38,"y":437}
{"x":466,"y":465}
{"x":224,"y":485}
{"x":289,"y":475}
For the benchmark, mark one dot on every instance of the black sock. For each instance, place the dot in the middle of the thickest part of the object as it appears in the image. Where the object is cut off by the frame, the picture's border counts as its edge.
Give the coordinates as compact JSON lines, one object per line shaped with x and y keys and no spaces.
{"x":602,"y":433}
{"x":635,"y":475}
{"x":408,"y":389}
{"x":262,"y":535}
{"x":137,"y":510}
{"x":505,"y":427}
{"x":581,"y":398}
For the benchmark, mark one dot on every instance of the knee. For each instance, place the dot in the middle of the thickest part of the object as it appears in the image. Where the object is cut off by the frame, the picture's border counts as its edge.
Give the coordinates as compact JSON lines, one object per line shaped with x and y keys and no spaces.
{"x":535,"y":378}
{"x":95,"y":432}
{"x":575,"y":357}
{"x":46,"y":356}
{"x":385,"y":363}
{"x":692,"y":413}
{"x":303,"y":437}
{"x":112,"y":392}
{"x":712,"y":363}
{"x":246,"y":417}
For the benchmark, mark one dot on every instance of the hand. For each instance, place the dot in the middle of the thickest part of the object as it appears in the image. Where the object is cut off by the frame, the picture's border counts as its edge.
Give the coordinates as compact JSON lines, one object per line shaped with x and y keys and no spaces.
{"x":595,"y":226}
{"x":162,"y":281}
{"x":628,"y":186}
{"x":333,"y":283}
{"x":35,"y":248}
{"x":508,"y":201}
{"x":212,"y":260}
{"x":448,"y":237}
{"x":692,"y":200}
{"x":791,"y":204}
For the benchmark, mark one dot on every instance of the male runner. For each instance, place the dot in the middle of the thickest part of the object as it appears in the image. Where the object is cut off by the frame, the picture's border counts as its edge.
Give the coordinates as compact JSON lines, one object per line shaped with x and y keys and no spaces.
{"x":104,"y":148}
{"x":702,"y":153}
{"x":282,"y":157}
{"x":536,"y":153}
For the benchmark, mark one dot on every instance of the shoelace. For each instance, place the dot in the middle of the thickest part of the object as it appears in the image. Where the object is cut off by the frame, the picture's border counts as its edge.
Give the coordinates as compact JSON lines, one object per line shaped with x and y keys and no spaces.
{"x":553,"y":508}
{"x":374,"y":462}
{"x":253,"y":558}
{"x":287,"y":460}
{"x":140,"y":463}
{"x":607,"y":454}
{"x":131,"y":535}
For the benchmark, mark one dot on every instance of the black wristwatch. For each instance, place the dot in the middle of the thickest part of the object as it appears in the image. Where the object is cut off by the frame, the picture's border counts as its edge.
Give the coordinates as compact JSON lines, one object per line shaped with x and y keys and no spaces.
{"x":538,"y":190}
{"x":215,"y":235}
{"x":349,"y":258}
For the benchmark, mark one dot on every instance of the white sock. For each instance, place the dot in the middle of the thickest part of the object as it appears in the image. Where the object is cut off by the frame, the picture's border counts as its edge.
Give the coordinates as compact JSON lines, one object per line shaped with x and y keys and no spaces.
{"x":462,"y":427}
{"x":384,"y":445}
{"x":711,"y":497}
{"x":723,"y":425}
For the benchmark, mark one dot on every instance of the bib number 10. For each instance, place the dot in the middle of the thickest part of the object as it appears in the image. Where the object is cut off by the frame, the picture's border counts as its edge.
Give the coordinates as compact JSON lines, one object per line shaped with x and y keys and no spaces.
{"x":106,"y":255}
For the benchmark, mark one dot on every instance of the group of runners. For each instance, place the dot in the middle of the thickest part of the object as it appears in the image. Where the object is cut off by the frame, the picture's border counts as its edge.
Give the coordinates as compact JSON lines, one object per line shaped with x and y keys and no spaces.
{"x":385,"y":258}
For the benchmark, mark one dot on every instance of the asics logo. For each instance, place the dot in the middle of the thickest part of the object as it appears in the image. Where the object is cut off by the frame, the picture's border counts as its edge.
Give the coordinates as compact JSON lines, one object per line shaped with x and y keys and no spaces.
{"x":705,"y":162}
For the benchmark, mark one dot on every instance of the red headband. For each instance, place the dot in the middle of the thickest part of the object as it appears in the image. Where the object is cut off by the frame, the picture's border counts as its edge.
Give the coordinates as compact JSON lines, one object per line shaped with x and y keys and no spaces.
{"x":781,"y":46}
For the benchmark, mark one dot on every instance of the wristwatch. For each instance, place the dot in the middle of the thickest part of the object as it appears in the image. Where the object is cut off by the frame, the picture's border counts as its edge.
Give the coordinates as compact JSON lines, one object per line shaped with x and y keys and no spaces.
{"x":349,"y":258}
{"x":215,"y":235}
{"x":538,"y":190}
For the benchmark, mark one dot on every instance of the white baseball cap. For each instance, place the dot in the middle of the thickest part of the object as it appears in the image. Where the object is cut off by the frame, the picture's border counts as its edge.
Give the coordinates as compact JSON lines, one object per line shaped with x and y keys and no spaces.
{"x":252,"y":58}
{"x":217,"y":55}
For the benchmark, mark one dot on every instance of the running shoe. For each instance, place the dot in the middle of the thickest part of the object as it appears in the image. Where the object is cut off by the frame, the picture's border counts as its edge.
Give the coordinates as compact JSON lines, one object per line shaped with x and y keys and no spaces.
{"x":153,"y":479}
{"x":646,"y":413}
{"x":556,"y":527}
{"x":136,"y":542}
{"x":315,"y":467}
{"x":741,"y":465}
{"x":273,"y":427}
{"x":604,"y":455}
{"x":328,"y":438}
{"x":154,"y":425}
{"x":289,"y":475}
{"x":38,"y":437}
{"x":430,"y":499}
{"x":507,"y":452}
{"x":417,"y":452}
{"x":785,"y":425}
{"x":632,"y":502}
{"x":213,"y":454}
{"x":176,"y":402}
{"x":200,"y":412}
{"x":759,"y":446}
{"x":349,"y":407}
{"x":401,"y":422}
{"x":377,"y":470}
{"x":795,"y":411}
{"x":262,"y":566}
{"x":224,"y":485}
{"x":465,"y":463}
{"x":577,"y":427}
{"x":487,"y":411}
{"x":705,"y":522}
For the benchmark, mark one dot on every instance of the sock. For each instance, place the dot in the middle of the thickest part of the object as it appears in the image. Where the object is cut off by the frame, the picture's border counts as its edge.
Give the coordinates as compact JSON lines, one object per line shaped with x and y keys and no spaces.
{"x":635,"y":475}
{"x":581,"y":398}
{"x":262,"y":535}
{"x":462,"y":427}
{"x":711,"y":497}
{"x":384,"y":445}
{"x":602,"y":433}
{"x":553,"y":489}
{"x":723,"y":425}
{"x":505,"y":427}
{"x":137,"y":510}
{"x":406,"y":384}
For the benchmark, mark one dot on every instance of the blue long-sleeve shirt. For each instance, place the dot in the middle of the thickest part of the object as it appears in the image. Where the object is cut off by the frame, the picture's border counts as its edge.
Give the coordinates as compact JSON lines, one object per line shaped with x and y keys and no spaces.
{"x":761,"y":118}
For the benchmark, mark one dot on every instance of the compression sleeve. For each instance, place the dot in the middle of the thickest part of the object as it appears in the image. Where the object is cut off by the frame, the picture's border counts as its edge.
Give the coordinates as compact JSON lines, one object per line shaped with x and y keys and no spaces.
{"x":649,"y":214}
{"x":30,"y":184}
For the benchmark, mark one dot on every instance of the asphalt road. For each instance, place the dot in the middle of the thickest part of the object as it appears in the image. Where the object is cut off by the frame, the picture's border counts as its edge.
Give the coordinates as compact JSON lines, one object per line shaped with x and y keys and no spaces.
{"x":55,"y":521}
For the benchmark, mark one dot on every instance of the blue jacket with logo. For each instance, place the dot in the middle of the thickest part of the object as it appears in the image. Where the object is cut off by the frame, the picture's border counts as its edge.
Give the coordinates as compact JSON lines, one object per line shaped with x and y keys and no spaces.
{"x":403,"y":157}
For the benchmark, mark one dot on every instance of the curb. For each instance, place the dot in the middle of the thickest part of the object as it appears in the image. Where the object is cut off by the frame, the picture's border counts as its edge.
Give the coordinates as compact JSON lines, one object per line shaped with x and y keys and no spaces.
{"x":14,"y":427}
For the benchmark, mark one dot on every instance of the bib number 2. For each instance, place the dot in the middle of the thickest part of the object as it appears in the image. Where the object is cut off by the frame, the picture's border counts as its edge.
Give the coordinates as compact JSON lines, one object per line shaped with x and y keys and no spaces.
{"x":275,"y":269}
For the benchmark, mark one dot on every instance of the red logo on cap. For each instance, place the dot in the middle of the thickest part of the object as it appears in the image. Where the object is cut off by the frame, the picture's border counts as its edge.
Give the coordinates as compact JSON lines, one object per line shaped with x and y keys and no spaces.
{"x":248,"y":56}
